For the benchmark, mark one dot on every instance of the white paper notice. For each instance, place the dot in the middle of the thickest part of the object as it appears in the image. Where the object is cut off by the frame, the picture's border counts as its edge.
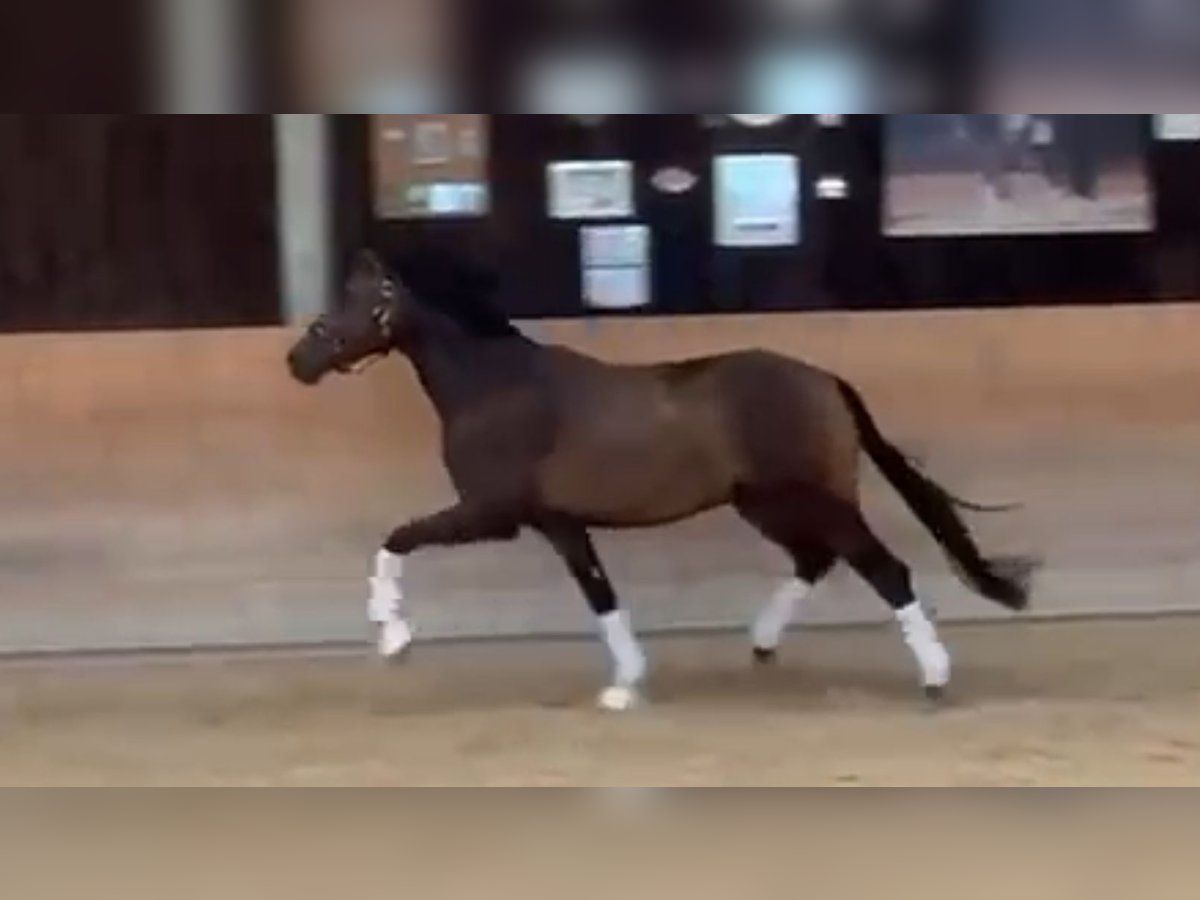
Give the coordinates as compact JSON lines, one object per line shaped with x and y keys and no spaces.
{"x":591,"y":189}
{"x":616,"y":266}
{"x":616,"y":288}
{"x":615,"y":245}
{"x":758,"y":200}
{"x":1177,"y":126}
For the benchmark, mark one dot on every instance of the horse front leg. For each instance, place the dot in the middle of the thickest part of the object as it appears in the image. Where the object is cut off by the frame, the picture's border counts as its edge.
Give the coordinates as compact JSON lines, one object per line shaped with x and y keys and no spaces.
{"x":467,"y":523}
{"x":574,"y":546}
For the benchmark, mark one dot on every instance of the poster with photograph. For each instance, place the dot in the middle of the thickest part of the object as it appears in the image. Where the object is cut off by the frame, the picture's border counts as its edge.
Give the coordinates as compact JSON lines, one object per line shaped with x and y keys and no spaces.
{"x":616,"y":266}
{"x":591,"y":189}
{"x":430,"y":166}
{"x":991,"y":174}
{"x":757,"y":200}
{"x":1177,"y":126}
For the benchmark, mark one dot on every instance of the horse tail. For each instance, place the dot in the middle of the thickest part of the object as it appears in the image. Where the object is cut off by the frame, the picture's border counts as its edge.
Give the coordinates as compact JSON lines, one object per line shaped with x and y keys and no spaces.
{"x":1004,"y":580}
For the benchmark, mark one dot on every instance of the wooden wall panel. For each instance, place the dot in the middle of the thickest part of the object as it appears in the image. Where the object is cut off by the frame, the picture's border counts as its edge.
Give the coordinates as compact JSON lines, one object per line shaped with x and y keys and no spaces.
{"x":113,"y":220}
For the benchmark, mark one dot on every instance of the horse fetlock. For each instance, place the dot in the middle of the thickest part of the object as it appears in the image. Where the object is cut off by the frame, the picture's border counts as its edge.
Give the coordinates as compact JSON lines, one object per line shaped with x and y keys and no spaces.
{"x":935,"y":668}
{"x":920,"y":634}
{"x":387,"y":589}
{"x":774,"y":619}
{"x":625,"y":692}
{"x":632,"y":668}
{"x":385,"y":601}
{"x":629,"y":660}
{"x":395,"y":639}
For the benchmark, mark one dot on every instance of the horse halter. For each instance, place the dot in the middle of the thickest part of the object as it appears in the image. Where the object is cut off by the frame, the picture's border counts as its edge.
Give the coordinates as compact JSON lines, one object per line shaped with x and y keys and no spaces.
{"x":383,"y":317}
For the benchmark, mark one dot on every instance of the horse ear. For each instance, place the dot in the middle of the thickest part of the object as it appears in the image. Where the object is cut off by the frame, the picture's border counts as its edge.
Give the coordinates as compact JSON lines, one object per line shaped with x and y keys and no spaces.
{"x":368,"y":264}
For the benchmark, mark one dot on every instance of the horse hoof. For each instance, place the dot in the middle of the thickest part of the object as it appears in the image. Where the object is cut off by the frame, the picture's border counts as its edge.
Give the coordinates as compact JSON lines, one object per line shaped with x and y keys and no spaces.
{"x":618,"y":699}
{"x":764,"y":657}
{"x":935,"y":696}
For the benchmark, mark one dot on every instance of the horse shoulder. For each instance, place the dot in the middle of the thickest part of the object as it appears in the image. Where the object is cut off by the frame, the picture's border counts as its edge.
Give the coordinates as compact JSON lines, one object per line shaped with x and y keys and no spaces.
{"x":493,"y":446}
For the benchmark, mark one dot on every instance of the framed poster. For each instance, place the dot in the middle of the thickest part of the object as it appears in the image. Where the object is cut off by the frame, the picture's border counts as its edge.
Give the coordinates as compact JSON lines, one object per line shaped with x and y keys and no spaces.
{"x":430,"y":166}
{"x":615,"y":266}
{"x":757,"y":200}
{"x":590,"y":189}
{"x":990,"y":174}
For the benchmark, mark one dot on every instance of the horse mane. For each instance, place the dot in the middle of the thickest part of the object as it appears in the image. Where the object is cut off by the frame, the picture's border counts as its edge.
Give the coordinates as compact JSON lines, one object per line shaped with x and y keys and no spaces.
{"x":460,"y":290}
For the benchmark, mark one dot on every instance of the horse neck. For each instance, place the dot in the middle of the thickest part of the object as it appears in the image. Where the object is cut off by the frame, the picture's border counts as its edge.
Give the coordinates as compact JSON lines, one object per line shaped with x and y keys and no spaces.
{"x":457,"y":369}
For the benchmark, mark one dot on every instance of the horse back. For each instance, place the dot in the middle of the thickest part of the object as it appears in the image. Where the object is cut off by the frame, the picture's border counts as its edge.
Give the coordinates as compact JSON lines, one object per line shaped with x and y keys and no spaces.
{"x":650,"y":443}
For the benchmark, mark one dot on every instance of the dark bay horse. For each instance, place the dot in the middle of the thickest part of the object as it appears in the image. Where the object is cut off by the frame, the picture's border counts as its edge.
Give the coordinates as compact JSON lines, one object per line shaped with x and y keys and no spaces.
{"x":542,"y":438}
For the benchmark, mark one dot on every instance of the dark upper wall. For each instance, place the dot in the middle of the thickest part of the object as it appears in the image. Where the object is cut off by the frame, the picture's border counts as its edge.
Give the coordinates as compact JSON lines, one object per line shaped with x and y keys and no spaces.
{"x":126,"y":220}
{"x":143,"y":221}
{"x":845,"y":260}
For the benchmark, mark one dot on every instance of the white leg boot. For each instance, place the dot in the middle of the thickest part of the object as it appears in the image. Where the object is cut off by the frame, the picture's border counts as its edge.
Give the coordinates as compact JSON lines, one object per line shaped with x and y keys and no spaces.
{"x":922,"y":638}
{"x":629,"y":663}
{"x":385,"y":606}
{"x":773,"y":621}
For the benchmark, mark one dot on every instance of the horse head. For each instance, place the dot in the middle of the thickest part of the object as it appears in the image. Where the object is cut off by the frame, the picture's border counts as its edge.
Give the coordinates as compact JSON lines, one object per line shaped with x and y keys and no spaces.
{"x":369,"y":323}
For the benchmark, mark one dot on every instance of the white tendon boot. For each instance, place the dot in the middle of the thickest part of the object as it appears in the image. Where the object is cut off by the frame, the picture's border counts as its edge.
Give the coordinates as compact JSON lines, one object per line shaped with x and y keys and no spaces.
{"x":932,"y":657}
{"x":629,"y":663}
{"x":384,"y":607}
{"x":773,"y":621}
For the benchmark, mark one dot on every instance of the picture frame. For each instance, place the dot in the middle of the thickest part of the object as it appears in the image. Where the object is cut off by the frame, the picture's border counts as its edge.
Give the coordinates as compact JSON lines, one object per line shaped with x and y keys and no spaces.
{"x":590,"y":189}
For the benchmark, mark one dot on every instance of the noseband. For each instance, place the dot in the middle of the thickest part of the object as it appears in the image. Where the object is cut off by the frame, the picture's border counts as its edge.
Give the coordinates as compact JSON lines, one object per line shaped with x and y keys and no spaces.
{"x":362,"y":365}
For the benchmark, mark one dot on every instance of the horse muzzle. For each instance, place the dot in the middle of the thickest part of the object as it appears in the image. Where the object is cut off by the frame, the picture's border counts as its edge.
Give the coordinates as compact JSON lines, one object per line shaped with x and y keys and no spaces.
{"x":304,"y":370}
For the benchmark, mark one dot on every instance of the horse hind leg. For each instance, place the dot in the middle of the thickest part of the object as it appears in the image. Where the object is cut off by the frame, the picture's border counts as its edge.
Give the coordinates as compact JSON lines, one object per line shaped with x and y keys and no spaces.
{"x":811,"y":564}
{"x":818,"y":528}
{"x":892,"y":580}
{"x":778,"y":520}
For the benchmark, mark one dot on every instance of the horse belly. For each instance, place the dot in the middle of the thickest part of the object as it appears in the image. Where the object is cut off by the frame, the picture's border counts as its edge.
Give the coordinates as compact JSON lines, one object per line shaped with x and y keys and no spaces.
{"x":636,"y":483}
